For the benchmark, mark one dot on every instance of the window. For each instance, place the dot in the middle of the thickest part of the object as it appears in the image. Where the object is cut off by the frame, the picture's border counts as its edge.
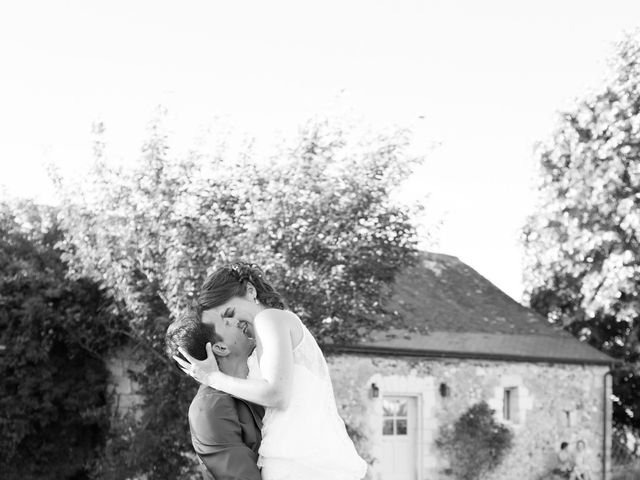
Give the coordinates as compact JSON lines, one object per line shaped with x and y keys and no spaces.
{"x":395,"y":416}
{"x":568,"y":418}
{"x":510,"y":404}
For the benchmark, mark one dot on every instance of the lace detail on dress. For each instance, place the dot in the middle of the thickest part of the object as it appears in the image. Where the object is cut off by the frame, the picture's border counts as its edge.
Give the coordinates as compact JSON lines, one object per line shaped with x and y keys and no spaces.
{"x":307,"y":354}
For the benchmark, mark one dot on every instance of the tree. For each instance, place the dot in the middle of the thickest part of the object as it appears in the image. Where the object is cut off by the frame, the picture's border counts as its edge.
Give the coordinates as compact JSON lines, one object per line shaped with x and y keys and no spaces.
{"x":582,"y":243}
{"x":53,"y":388}
{"x":318,"y":218}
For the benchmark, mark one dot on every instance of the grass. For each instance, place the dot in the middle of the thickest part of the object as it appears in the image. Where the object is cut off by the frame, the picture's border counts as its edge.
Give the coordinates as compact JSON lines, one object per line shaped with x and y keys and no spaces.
{"x":626,"y":472}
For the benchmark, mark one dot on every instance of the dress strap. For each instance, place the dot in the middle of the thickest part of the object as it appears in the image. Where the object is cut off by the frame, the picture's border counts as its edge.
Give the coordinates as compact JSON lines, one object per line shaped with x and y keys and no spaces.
{"x":304,"y":334}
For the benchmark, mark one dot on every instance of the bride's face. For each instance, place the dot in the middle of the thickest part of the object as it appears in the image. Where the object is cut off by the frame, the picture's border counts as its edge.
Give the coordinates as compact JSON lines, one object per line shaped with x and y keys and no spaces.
{"x":238,"y":313}
{"x":235,"y":333}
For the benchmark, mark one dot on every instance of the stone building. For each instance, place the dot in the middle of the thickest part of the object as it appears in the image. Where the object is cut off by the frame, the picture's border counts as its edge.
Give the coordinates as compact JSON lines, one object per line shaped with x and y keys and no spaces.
{"x":463,"y":341}
{"x":473,"y":343}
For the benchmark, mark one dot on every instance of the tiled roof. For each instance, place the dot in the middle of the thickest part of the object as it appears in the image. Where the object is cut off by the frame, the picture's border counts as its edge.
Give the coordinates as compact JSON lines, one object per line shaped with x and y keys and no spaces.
{"x":449,"y":309}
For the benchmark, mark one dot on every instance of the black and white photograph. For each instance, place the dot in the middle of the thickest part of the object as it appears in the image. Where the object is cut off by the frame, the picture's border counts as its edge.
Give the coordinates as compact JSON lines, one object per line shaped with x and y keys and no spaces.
{"x":337,"y":240}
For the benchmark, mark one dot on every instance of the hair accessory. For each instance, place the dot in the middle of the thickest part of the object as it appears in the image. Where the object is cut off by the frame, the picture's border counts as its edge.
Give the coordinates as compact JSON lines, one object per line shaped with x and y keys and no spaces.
{"x":242,"y":271}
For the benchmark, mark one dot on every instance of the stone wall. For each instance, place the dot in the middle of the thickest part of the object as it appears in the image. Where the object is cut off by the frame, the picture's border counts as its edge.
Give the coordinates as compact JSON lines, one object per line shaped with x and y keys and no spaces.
{"x":555,"y":403}
{"x":122,"y":388}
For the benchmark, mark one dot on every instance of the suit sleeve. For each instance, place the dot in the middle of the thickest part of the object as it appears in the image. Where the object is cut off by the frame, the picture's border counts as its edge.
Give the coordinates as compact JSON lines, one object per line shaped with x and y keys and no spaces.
{"x":217,"y":439}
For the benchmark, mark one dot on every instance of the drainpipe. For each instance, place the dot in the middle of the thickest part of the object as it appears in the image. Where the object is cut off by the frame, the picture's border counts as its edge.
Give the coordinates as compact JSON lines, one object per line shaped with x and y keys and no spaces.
{"x":606,"y":425}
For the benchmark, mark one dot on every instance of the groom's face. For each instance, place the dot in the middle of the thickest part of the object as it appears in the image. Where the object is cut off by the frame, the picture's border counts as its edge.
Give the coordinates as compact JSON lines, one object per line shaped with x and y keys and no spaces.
{"x":234,"y":332}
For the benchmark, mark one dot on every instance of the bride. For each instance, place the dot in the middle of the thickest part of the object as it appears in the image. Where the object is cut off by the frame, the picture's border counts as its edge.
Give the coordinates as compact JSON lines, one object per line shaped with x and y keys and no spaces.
{"x":302,"y":435}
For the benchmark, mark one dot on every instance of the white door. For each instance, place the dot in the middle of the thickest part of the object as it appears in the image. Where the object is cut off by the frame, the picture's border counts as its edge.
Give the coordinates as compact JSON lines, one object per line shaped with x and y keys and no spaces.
{"x":399,"y":438}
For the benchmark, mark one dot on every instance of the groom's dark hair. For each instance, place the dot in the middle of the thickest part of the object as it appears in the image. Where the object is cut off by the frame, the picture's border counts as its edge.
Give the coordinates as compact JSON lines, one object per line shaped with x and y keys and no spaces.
{"x":191,"y":334}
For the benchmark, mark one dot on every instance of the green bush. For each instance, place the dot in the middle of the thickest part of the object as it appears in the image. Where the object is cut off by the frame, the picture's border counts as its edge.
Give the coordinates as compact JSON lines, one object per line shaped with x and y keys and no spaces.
{"x":475,"y":444}
{"x":157,"y":442}
{"x":53,"y":399}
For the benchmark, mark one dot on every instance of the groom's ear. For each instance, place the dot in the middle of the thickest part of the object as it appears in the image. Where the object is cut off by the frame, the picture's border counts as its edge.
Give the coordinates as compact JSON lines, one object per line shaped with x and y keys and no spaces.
{"x":220,"y":349}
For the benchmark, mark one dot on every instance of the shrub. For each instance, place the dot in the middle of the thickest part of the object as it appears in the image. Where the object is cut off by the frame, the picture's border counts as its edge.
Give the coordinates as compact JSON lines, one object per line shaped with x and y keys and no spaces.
{"x":476,"y":443}
{"x":53,"y":405}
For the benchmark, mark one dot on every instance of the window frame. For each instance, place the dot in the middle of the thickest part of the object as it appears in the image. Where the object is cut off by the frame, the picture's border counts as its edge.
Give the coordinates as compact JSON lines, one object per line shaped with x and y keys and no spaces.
{"x":395,"y":418}
{"x":510,"y":404}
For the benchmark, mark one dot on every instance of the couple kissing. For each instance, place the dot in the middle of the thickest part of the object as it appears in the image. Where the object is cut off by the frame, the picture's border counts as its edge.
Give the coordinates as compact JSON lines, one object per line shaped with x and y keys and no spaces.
{"x":265,"y":408}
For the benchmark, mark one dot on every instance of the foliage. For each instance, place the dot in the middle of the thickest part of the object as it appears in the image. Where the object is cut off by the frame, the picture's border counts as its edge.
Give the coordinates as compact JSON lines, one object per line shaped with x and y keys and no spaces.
{"x":317,"y":217}
{"x":582,"y":243}
{"x":476,"y":443}
{"x":155,"y":442}
{"x":53,"y":405}
{"x":360,"y":441}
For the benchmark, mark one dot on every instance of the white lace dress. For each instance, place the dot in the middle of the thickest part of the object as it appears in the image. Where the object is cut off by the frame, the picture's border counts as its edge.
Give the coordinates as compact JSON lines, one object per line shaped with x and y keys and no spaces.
{"x":308,"y":439}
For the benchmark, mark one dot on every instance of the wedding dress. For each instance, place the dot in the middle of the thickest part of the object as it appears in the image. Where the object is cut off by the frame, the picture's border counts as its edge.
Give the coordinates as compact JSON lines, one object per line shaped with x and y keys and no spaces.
{"x":307,"y":440}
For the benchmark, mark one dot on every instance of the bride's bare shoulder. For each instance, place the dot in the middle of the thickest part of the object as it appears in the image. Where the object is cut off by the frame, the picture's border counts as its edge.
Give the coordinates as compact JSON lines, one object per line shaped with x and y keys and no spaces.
{"x":273,"y":319}
{"x":269,"y":315}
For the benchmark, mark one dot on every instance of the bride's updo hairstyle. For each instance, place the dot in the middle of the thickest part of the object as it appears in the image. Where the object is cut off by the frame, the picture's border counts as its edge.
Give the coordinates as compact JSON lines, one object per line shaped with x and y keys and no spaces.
{"x":231,"y":281}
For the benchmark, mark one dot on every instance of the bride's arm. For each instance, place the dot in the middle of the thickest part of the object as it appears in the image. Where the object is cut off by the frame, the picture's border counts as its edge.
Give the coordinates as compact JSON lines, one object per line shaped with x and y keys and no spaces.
{"x":276,"y":365}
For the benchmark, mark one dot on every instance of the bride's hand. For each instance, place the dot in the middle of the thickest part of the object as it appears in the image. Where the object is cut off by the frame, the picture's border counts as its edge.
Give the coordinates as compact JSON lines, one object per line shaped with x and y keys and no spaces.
{"x":204,"y":371}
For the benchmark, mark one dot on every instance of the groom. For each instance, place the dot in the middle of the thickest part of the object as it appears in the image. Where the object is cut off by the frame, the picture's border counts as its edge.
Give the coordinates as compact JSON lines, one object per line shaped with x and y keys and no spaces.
{"x":225,"y":431}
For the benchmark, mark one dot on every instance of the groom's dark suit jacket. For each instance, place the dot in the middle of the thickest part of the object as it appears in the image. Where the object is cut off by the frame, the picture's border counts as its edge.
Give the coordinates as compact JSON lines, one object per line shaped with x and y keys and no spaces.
{"x":225,"y":432}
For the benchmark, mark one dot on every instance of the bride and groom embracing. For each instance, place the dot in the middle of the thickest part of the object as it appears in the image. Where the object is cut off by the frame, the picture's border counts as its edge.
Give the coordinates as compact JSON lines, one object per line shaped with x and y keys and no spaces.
{"x":265,"y":408}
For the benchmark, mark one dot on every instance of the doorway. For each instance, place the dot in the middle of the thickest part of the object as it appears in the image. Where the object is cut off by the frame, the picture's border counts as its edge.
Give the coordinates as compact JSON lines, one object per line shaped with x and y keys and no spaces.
{"x":399,"y":437}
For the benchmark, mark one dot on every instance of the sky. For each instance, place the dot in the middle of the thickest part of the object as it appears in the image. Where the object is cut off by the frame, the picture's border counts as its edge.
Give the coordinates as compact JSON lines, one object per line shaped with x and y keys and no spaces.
{"x":479,"y":83}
